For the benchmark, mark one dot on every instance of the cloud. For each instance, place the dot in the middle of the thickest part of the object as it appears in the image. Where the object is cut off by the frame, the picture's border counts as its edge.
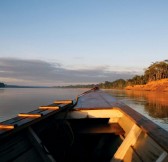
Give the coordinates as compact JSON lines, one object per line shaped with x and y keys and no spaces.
{"x":38,"y":72}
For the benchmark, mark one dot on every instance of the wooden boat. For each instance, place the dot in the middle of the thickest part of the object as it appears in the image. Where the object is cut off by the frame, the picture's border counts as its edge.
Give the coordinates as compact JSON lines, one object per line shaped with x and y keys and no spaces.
{"x":94,"y":127}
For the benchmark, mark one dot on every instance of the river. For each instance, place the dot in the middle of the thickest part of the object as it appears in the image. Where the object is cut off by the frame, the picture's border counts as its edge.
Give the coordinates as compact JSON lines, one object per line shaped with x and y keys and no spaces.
{"x":153,"y":105}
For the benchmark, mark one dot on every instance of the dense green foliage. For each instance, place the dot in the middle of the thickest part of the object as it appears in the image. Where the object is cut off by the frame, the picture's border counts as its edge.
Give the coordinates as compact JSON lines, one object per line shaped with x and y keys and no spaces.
{"x":156,"y":71}
{"x":2,"y":85}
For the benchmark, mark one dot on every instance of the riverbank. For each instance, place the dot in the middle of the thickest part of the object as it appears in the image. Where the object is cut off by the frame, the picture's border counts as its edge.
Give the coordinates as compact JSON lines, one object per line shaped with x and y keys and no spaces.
{"x":160,"y":86}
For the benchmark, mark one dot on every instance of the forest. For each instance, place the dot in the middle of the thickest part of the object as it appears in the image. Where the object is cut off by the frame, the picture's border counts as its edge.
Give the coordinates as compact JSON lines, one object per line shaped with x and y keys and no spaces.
{"x":156,"y":71}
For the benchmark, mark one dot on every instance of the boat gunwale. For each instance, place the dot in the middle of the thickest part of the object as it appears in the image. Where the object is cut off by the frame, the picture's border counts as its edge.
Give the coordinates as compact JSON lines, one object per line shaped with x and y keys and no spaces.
{"x":51,"y":113}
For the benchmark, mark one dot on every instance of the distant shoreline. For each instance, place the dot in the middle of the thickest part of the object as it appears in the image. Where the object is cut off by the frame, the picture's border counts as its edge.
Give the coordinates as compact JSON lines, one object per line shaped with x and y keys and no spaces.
{"x":17,"y":86}
{"x":159,"y":86}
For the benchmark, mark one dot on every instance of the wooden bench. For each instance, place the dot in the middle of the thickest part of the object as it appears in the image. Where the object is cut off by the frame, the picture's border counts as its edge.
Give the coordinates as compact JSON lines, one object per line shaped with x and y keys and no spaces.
{"x":95,"y":126}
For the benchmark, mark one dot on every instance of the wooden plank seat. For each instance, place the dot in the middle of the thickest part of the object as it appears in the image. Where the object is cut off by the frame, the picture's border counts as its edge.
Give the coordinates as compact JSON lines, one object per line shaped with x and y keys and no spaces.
{"x":49,"y":107}
{"x":52,"y":106}
{"x":63,"y":101}
{"x":7,"y":126}
{"x":56,"y":105}
{"x":16,"y":119}
{"x":29,"y":115}
{"x":95,"y":126}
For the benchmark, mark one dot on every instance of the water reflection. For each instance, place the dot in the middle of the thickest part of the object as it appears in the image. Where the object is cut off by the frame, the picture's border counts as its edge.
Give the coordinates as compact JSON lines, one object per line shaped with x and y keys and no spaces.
{"x":153,"y":105}
{"x":2,"y":90}
{"x":21,"y":100}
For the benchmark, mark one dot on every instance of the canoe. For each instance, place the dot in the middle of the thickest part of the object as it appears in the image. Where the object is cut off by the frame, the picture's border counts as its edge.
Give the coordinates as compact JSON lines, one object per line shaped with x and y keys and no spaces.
{"x":92,"y":127}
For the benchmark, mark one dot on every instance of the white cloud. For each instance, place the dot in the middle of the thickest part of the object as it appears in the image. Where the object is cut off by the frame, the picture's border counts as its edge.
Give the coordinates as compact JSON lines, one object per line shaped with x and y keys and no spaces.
{"x":38,"y":72}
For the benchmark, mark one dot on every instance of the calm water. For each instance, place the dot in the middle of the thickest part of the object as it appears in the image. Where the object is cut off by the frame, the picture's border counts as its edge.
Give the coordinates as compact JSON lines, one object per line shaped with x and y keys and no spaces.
{"x":20,"y":100}
{"x":13,"y":101}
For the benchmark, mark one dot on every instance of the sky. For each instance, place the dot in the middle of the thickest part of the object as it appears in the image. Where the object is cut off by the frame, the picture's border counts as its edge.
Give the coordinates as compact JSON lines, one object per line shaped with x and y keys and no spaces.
{"x":51,"y":42}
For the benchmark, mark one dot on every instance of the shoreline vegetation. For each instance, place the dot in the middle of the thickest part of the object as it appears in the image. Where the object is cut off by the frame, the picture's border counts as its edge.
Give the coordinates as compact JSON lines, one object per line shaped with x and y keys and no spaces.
{"x":159,"y":86}
{"x":155,"y":78}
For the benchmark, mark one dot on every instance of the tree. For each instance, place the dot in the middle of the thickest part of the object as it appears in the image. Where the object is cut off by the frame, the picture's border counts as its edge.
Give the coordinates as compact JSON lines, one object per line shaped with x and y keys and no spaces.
{"x":120,"y":83}
{"x":2,"y":85}
{"x":157,"y":71}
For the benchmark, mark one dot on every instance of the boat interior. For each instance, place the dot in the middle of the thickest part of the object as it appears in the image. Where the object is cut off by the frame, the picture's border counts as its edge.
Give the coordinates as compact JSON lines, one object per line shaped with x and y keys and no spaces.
{"x":79,"y":139}
{"x":82,"y":136}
